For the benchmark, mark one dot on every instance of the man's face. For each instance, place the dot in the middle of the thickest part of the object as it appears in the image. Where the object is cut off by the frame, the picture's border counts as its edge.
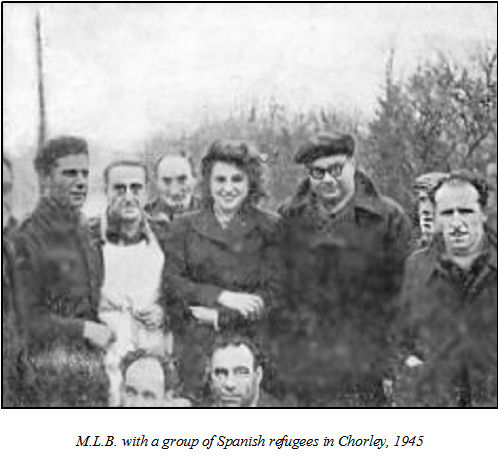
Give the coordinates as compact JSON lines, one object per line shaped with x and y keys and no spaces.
{"x":143,"y":384}
{"x":126,"y":192}
{"x":332,"y":178}
{"x":460,"y":218}
{"x":6,"y":194}
{"x":175,"y":181}
{"x":425,"y":212}
{"x":68,"y":180}
{"x":234,"y":379}
{"x":229,"y":186}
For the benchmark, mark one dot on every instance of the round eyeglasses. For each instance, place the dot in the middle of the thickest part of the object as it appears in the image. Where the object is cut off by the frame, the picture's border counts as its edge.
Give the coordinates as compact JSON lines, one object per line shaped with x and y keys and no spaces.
{"x":334,"y":170}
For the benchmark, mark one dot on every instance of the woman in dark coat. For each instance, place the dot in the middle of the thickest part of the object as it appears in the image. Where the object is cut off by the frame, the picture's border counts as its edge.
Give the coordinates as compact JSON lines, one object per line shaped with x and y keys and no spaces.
{"x":221,"y":270}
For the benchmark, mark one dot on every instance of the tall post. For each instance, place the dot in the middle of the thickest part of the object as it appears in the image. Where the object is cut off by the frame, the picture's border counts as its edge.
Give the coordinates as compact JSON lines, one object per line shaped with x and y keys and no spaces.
{"x":42,"y":118}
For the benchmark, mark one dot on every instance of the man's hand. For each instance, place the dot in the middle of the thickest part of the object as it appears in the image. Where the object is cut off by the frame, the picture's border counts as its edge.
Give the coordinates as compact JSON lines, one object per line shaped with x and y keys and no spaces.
{"x":249,"y":305}
{"x":153,"y":318}
{"x":98,"y":334}
{"x":206,"y":315}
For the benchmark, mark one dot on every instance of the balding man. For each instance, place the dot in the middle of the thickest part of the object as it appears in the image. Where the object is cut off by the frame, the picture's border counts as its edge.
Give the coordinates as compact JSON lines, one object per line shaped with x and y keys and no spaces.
{"x":150,"y":381}
{"x":175,"y":182}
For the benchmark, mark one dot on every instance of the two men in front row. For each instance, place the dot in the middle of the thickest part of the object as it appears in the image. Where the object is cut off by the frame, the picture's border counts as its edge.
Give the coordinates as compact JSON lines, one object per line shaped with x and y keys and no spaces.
{"x":318,"y":287}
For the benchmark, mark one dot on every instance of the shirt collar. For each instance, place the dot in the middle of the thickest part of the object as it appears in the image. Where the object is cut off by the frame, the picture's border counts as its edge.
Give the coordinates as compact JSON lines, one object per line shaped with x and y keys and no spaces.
{"x":438,"y":263}
{"x":242,"y":223}
{"x":366,"y":198}
{"x":114,"y":234}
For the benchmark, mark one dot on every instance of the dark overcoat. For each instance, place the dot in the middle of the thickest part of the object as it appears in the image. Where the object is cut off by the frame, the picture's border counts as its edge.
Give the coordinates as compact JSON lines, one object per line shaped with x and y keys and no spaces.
{"x":448,"y":319}
{"x":203,"y":259}
{"x":59,"y":274}
{"x":341,"y":274}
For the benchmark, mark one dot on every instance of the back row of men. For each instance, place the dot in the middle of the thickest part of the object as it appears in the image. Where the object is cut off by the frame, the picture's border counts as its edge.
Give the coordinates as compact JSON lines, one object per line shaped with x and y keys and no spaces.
{"x":210,"y":300}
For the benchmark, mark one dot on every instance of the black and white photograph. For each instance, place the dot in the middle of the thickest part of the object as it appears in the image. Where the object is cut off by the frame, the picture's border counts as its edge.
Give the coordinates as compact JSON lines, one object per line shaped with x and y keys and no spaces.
{"x":285,"y":205}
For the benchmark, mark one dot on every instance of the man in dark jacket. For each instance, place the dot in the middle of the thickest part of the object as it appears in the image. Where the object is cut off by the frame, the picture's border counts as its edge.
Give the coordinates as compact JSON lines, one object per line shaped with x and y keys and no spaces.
{"x":175,"y":182}
{"x":449,"y":334}
{"x":343,"y":249}
{"x":59,"y":274}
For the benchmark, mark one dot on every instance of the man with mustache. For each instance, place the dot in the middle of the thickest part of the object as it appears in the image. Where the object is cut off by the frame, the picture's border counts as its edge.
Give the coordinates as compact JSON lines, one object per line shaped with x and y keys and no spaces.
{"x":175,"y":182}
{"x":343,"y":249}
{"x":449,"y":304}
{"x":132,"y":249}
{"x":58,"y":275}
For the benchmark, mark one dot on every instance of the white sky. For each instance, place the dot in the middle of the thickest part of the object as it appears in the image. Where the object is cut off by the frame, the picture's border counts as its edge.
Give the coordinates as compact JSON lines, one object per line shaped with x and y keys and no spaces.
{"x":117,"y":73}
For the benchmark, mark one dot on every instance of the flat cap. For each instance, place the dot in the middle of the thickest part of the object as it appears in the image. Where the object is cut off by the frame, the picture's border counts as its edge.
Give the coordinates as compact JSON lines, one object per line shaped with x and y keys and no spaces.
{"x":325,"y":145}
{"x":428,"y":181}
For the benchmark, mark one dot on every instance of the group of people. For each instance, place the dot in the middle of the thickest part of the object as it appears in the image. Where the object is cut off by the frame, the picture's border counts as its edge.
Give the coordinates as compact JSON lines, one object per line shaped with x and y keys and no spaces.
{"x":204,"y":298}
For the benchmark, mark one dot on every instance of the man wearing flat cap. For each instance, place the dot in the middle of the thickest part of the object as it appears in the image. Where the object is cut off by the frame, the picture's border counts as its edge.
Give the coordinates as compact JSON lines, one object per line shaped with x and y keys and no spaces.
{"x":343,"y":249}
{"x":424,"y":216}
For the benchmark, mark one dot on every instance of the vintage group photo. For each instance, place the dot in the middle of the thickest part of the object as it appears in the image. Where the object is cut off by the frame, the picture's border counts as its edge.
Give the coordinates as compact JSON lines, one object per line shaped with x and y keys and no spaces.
{"x":249,"y":205}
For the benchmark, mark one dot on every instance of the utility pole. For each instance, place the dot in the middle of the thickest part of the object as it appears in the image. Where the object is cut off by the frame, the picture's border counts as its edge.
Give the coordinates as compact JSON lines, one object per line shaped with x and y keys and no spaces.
{"x":42,"y":118}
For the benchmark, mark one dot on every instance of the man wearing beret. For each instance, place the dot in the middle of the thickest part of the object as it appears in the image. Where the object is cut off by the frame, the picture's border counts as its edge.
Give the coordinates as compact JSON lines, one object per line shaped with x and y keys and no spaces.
{"x":343,"y":248}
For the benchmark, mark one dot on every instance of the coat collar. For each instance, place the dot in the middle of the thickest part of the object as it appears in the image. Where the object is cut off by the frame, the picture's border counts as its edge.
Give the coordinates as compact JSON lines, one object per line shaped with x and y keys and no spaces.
{"x":159,"y":206}
{"x":433,"y":256}
{"x":205,"y":223}
{"x":51,"y":214}
{"x":367,"y":198}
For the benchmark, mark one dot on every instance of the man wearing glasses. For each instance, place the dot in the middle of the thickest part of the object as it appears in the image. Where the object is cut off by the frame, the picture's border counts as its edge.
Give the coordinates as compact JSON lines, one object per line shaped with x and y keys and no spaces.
{"x":343,"y":249}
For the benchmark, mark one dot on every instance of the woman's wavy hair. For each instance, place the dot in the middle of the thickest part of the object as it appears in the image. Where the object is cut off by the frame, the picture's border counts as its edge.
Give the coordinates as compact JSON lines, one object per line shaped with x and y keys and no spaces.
{"x":241,"y":154}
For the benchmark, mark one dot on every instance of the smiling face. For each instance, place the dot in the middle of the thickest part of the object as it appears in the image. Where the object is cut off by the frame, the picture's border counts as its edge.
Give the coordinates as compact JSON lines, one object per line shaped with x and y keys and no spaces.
{"x":126,"y":192}
{"x":175,"y":181}
{"x":234,"y":378}
{"x":460,"y":218}
{"x":332,"y":178}
{"x":68,"y":180}
{"x":229,"y":187}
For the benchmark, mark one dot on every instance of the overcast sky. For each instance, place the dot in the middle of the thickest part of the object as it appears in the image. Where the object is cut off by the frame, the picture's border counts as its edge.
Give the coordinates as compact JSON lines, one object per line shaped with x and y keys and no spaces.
{"x":118,"y":73}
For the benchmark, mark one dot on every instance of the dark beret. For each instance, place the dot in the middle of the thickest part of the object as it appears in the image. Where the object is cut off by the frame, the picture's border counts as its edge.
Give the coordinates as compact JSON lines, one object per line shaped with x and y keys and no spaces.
{"x":325,"y":145}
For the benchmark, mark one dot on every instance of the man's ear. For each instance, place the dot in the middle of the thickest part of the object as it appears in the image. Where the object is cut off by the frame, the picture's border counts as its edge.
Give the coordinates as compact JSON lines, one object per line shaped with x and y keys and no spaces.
{"x":259,"y":375}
